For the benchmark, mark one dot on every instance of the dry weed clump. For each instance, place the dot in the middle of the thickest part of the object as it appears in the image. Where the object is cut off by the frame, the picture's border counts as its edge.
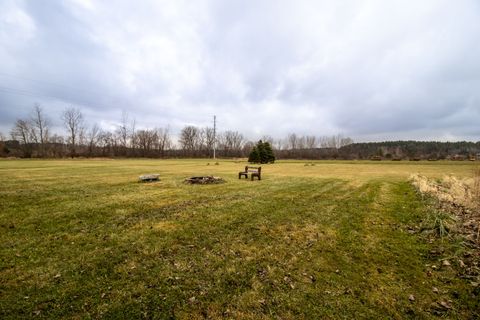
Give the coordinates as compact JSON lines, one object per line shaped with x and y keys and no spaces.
{"x":476,"y":188}
{"x":440,"y":221}
{"x":456,"y":210}
{"x":457,"y":199}
{"x":451,"y":191}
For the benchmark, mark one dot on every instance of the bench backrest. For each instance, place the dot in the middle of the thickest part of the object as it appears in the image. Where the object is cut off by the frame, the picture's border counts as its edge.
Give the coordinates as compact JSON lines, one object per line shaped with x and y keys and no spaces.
{"x":253,"y":169}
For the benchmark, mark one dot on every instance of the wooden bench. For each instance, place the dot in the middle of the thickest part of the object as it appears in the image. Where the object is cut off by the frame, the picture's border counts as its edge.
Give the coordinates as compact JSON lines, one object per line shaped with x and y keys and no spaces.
{"x":253,"y":171}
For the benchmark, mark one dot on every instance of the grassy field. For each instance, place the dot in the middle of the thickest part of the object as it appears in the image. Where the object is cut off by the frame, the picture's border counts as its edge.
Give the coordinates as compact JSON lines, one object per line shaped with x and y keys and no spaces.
{"x":83,"y":239}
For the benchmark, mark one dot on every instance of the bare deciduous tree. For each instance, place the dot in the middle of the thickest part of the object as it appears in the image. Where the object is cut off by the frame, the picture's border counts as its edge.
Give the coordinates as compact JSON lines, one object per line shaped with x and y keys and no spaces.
{"x":200,"y":141}
{"x":292,"y":141}
{"x":327,"y":142}
{"x":23,"y":132}
{"x":346,"y":141}
{"x":40,"y":126}
{"x":310,"y":142}
{"x":106,"y":143}
{"x":209,"y":141}
{"x":73,"y":120}
{"x":145,"y":139}
{"x":92,"y":136}
{"x":247,"y":147}
{"x":133,"y":135}
{"x":269,"y":139}
{"x":231,"y":143}
{"x":301,"y":142}
{"x":123,"y":133}
{"x":57,"y":145}
{"x":164,"y":142}
{"x":188,"y":139}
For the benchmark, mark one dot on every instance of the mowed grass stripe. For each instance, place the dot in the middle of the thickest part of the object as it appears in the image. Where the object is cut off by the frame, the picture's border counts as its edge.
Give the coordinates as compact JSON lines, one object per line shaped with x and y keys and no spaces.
{"x":294,"y":245}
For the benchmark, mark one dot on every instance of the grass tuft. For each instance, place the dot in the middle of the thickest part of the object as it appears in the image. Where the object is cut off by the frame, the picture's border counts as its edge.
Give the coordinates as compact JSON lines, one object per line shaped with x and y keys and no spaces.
{"x":441,"y":223}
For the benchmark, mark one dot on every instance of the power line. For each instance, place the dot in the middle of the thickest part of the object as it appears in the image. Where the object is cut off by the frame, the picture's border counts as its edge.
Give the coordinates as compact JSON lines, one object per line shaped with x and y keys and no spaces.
{"x":28,"y":93}
{"x":43,"y":82}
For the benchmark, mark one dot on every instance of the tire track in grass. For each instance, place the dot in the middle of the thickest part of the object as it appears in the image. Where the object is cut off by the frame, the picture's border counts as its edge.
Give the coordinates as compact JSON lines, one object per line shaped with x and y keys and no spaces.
{"x":228,"y":245}
{"x":258,"y":250}
{"x":384,"y":263}
{"x":269,"y":256}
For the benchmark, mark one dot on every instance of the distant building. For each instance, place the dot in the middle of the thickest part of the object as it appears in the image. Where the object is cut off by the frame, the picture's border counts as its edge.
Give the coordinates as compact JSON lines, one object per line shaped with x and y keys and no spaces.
{"x":458,"y":157}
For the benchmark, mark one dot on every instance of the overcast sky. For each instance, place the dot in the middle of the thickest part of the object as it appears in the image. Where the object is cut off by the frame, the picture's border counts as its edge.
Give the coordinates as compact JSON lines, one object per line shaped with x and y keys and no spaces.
{"x":372,"y":70}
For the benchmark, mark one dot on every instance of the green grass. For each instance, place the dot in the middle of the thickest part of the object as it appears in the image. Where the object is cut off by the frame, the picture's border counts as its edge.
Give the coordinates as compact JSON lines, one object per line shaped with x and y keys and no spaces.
{"x":84,"y":239}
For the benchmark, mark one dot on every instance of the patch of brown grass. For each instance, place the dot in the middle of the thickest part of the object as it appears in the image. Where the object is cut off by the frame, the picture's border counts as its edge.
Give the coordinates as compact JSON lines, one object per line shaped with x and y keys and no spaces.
{"x":456,"y":212}
{"x":449,"y":190}
{"x":476,"y":188}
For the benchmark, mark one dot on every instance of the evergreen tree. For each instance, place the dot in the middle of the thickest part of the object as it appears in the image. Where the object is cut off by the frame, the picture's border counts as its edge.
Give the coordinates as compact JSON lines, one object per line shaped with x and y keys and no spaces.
{"x":262,"y":153}
{"x":254,"y":157}
{"x":270,"y":157}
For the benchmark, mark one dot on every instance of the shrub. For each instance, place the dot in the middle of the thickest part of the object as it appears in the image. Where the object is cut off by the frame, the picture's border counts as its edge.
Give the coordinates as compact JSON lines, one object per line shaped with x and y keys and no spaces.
{"x":261,"y":153}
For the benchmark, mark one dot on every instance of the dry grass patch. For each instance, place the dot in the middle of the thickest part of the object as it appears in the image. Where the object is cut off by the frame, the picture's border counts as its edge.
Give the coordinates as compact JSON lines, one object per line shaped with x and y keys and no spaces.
{"x":476,"y":188}
{"x":454,"y":191}
{"x":164,"y":226}
{"x":455,"y":213}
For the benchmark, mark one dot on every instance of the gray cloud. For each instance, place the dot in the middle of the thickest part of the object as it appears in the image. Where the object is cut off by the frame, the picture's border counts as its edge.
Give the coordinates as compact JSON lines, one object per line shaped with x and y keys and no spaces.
{"x":371,"y":69}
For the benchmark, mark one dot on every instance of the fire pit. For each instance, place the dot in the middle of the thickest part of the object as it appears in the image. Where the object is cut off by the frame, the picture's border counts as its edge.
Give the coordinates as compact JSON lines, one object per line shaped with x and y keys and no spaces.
{"x":204,"y":180}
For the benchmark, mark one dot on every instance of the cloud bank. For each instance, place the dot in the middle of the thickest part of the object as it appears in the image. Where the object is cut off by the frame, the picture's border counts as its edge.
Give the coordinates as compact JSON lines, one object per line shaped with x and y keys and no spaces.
{"x":372,"y":70}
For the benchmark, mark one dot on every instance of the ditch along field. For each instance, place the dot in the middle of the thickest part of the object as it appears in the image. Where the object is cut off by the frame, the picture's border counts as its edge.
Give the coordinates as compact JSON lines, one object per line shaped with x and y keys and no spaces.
{"x":84,"y":239}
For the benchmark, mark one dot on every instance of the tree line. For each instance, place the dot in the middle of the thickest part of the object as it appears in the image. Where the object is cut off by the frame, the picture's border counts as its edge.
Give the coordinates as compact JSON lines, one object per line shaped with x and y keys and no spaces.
{"x":32,"y":136}
{"x":412,"y":150}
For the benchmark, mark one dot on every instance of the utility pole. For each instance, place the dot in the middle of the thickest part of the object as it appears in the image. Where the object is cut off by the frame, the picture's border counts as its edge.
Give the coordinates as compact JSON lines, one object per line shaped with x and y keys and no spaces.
{"x":214,"y":134}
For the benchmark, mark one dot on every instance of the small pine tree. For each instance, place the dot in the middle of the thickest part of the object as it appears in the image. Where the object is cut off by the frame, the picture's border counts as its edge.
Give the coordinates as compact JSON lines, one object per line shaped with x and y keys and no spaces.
{"x":254,"y":156}
{"x":262,"y":153}
{"x":270,"y":157}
